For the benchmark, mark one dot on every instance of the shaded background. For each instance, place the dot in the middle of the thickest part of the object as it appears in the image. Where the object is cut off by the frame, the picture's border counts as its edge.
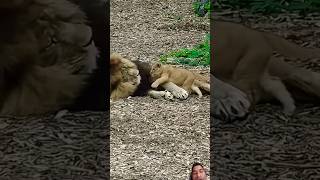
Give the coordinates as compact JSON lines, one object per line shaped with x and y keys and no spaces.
{"x":269,"y":145}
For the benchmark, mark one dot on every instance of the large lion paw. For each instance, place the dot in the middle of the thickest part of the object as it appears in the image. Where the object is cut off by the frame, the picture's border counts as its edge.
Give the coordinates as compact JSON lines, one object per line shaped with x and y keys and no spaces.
{"x":228,"y":102}
{"x":160,"y":94}
{"x":175,"y":90}
{"x":180,"y":93}
{"x":230,"y":108}
{"x":168,"y":95}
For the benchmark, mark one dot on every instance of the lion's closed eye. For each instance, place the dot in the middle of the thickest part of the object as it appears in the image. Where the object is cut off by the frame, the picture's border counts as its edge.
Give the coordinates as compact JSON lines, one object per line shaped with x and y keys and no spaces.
{"x":52,"y":41}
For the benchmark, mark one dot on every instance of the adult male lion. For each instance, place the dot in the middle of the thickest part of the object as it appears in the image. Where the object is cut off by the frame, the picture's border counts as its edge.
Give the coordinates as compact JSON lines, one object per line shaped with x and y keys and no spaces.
{"x":49,"y":59}
{"x":245,"y":71}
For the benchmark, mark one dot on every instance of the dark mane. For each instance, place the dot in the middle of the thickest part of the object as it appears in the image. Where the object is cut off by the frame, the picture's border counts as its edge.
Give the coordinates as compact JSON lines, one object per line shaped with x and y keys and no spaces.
{"x":145,"y":84}
{"x":95,"y":96}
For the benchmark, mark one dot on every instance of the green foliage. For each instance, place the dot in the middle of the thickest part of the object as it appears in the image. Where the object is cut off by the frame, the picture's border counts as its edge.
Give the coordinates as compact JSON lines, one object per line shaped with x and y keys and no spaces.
{"x":270,"y":6}
{"x":197,"y":56}
{"x":201,"y":9}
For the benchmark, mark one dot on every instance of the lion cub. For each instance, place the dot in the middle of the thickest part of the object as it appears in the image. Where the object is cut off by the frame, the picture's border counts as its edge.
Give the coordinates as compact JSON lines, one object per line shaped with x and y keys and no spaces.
{"x":189,"y":81}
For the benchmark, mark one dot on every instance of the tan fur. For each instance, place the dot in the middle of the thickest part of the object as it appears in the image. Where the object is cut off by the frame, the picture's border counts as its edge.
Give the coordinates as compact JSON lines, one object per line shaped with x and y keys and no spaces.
{"x":244,"y":58}
{"x":124,"y":77}
{"x":189,"y":81}
{"x":43,"y":62}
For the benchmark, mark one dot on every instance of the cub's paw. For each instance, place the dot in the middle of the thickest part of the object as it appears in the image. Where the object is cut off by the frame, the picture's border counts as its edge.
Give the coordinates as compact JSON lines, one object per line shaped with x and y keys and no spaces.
{"x":154,"y":85}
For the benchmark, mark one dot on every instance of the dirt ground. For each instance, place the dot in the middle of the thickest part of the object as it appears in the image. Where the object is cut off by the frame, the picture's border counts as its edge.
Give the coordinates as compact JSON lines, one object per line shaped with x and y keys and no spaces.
{"x":157,"y":139}
{"x":62,"y":146}
{"x":267,"y":144}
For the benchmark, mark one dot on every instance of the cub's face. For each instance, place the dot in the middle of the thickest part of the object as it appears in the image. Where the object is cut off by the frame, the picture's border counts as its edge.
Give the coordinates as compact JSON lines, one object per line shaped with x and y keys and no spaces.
{"x":156,"y":70}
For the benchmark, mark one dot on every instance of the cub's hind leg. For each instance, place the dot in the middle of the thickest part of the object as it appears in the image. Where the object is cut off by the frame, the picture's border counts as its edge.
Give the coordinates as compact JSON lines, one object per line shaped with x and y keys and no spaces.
{"x":203,"y":85}
{"x":197,"y":90}
{"x":187,"y":84}
{"x":275,"y":87}
{"x":299,"y":78}
{"x":250,"y":70}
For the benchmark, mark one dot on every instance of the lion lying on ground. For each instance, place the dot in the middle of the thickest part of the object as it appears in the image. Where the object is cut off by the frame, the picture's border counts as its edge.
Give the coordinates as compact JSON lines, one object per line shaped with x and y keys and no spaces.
{"x":245,"y":71}
{"x":132,"y":78}
{"x":189,"y":81}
